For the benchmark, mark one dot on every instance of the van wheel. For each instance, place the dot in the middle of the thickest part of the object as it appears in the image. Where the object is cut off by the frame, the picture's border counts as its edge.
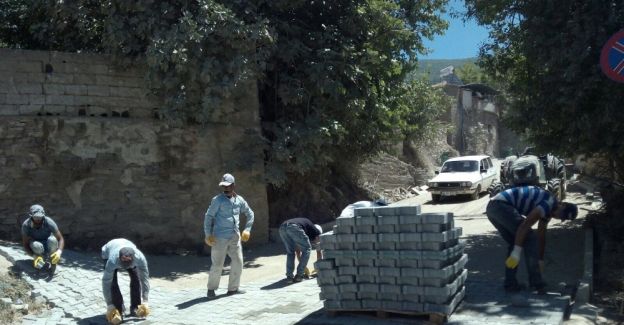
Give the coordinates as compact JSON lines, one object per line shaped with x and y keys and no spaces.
{"x":475,"y":195}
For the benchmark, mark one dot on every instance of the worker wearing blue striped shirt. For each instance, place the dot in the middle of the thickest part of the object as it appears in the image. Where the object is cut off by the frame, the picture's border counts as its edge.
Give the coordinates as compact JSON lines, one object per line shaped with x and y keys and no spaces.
{"x":221,"y":228}
{"x":513,"y":212}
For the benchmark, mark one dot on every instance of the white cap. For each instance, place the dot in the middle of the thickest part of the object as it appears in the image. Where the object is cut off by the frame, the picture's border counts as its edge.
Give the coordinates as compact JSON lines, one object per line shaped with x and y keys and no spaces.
{"x":319,"y":228}
{"x":227,"y":180}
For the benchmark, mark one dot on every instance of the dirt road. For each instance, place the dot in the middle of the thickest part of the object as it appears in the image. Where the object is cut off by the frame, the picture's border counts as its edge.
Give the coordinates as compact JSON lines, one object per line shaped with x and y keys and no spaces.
{"x":486,"y":250}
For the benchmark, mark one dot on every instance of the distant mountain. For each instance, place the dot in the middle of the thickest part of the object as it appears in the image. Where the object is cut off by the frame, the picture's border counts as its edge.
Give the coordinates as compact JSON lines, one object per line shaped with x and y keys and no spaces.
{"x":432,"y":68}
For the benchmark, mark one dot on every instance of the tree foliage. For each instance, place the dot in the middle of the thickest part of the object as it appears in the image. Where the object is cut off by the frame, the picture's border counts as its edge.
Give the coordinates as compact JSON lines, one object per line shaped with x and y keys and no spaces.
{"x":472,"y":73}
{"x":547,"y":54}
{"x":330,"y":73}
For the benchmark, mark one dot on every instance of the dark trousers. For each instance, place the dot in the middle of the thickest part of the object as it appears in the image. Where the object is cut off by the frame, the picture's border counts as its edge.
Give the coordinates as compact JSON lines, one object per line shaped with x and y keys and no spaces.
{"x":135,"y":291}
{"x":506,"y":219}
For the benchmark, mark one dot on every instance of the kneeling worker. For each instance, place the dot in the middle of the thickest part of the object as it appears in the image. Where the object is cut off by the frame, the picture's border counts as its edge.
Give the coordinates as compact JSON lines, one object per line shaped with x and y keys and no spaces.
{"x":123,"y":254}
{"x":298,"y":234}
{"x":41,"y":238}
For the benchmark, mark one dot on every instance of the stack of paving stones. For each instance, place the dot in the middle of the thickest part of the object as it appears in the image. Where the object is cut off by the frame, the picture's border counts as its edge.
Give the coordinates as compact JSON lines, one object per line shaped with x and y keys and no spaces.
{"x":393,"y":259}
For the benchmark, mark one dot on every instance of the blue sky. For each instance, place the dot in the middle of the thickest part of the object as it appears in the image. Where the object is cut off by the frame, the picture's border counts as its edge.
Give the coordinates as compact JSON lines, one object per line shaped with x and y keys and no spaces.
{"x":460,"y":40}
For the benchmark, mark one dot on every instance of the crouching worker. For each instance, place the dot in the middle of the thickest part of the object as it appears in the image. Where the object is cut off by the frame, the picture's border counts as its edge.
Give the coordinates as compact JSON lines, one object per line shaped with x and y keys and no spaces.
{"x":122,"y":254}
{"x":513,"y":212}
{"x":42,"y":239}
{"x":298,"y":234}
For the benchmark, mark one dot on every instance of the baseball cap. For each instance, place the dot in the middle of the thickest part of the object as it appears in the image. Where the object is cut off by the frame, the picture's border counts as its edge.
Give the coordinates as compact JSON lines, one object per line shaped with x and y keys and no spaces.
{"x":569,"y":212}
{"x":319,"y":228}
{"x":227,"y":180}
{"x":37,"y":211}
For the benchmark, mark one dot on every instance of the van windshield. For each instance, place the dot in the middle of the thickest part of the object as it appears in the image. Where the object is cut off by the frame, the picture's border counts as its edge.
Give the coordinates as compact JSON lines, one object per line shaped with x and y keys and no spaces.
{"x":460,"y":166}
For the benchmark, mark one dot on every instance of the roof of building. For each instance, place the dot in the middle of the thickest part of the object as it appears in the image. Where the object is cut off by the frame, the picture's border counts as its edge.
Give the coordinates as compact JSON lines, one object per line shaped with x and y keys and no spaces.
{"x":482,"y":88}
{"x":448,"y":75}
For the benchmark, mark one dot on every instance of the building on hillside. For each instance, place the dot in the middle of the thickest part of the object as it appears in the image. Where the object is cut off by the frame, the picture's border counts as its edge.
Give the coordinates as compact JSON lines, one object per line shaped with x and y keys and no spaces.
{"x":474,"y":115}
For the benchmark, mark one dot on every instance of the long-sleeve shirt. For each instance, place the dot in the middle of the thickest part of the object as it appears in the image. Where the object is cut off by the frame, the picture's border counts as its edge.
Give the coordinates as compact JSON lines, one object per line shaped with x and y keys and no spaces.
{"x":223,"y":214}
{"x":110,"y":252}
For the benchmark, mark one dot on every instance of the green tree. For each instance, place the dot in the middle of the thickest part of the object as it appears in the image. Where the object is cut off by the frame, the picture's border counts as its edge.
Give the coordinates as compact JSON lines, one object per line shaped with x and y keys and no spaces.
{"x":334,"y":91}
{"x":331,"y":73}
{"x":547,"y":55}
{"x":472,"y":73}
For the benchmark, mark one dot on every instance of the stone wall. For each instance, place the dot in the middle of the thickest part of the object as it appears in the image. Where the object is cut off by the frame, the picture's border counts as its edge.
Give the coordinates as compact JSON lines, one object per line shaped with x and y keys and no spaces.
{"x":81,"y":137}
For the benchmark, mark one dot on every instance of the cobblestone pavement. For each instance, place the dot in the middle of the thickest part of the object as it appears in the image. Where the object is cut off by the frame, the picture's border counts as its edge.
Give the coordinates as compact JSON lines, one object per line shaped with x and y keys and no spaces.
{"x":75,"y":292}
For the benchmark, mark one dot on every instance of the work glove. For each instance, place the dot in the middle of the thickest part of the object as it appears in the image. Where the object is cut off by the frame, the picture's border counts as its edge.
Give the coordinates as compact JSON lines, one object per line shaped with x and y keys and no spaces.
{"x":514,"y":258}
{"x":38,"y":262}
{"x":541,"y":266}
{"x":309,"y":272}
{"x":113,"y":315}
{"x":245,"y":236}
{"x":55,"y":257}
{"x":210,"y":240}
{"x":143,"y":310}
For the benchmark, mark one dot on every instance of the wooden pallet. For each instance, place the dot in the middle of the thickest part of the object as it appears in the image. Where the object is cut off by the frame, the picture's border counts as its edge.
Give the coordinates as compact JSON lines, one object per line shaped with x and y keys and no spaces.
{"x":435,"y":318}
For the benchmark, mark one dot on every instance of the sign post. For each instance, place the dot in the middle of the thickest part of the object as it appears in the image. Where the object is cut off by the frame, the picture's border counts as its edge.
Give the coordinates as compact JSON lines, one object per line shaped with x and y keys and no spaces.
{"x":612,"y":57}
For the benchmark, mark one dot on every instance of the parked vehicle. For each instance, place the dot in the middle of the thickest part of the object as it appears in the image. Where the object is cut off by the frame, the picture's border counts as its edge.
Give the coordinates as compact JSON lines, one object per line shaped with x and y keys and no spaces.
{"x":547,"y":172}
{"x":466,"y":175}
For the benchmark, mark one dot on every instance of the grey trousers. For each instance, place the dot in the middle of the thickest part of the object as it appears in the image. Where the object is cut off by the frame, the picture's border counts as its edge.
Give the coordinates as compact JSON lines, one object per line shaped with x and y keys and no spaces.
{"x":506,"y":219}
{"x":232,"y":248}
{"x":48,"y":247}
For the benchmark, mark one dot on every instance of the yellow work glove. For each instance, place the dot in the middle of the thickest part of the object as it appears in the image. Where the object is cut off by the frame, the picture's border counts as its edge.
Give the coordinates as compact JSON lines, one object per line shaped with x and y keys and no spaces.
{"x":541,"y":266}
{"x":245,"y":236}
{"x":56,"y":257}
{"x":143,"y":310}
{"x":210,"y":240}
{"x":38,"y":262}
{"x":514,"y":258}
{"x":113,"y":315}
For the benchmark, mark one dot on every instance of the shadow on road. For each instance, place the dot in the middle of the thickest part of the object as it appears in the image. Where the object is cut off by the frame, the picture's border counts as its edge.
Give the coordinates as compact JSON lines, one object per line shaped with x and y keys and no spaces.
{"x":198,"y":300}
{"x":99,"y":319}
{"x":25,"y":266}
{"x":454,"y":199}
{"x":168,"y":267}
{"x":276,"y":285}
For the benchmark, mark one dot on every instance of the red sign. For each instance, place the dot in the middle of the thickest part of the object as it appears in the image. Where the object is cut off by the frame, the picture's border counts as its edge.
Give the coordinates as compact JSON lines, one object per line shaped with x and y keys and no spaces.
{"x":612,"y":57}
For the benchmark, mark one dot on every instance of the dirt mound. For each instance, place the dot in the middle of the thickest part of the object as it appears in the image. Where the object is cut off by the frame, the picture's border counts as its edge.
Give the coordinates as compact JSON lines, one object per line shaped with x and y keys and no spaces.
{"x":389,"y":177}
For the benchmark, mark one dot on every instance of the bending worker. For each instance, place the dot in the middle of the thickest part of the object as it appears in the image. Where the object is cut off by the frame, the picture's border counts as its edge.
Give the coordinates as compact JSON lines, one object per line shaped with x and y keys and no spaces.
{"x":299,"y":234}
{"x":507,"y":211}
{"x":41,"y":238}
{"x":222,"y":233}
{"x":122,"y":254}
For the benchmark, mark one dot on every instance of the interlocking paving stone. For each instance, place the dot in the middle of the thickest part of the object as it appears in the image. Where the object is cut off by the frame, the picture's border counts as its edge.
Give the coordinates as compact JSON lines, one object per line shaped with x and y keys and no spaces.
{"x":75,"y":291}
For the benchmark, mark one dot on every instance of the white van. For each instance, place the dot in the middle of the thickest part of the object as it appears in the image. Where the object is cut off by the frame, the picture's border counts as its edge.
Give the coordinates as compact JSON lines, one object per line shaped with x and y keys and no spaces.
{"x":469,"y":175}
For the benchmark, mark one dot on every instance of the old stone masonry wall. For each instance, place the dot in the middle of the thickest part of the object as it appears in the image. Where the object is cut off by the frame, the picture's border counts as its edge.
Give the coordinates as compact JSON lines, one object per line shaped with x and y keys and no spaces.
{"x":81,"y":137}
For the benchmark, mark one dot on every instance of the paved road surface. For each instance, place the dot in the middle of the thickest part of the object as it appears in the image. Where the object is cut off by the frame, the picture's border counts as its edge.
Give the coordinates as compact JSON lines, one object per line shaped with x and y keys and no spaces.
{"x":76,"y":289}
